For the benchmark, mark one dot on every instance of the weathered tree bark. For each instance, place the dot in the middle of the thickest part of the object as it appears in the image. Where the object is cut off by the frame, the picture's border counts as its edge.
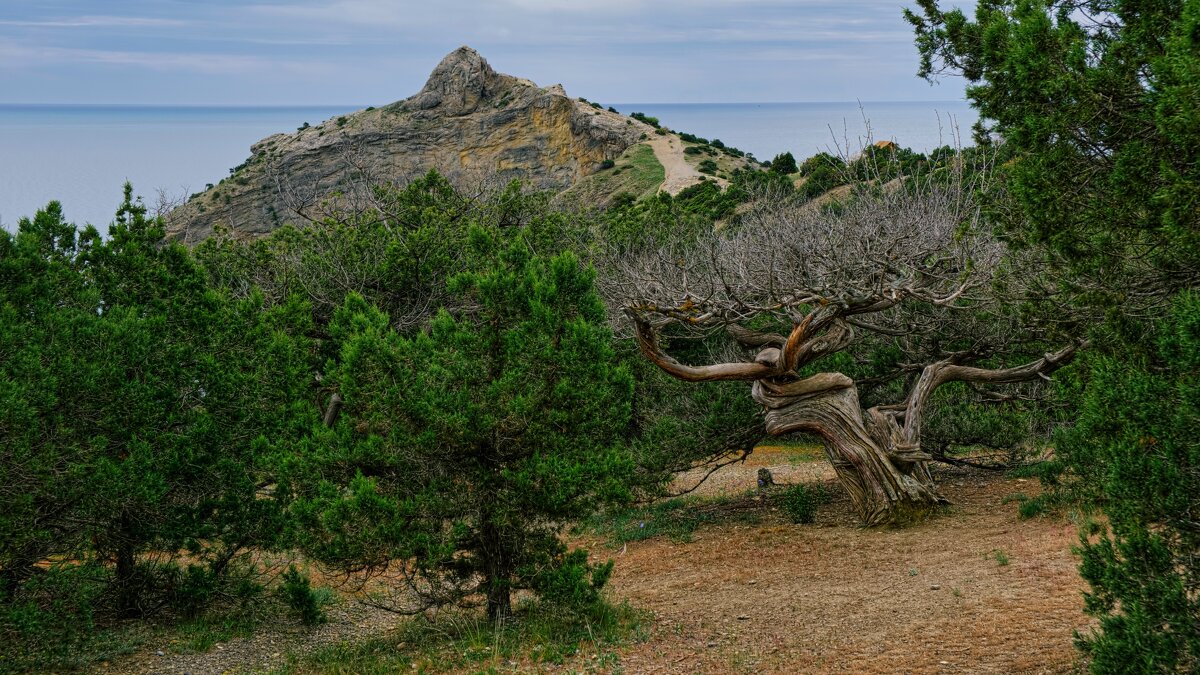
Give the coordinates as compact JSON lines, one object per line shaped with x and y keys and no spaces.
{"x":334,"y":409}
{"x":498,"y":570}
{"x":876,"y":453}
{"x":882,"y":489}
{"x":886,"y":479}
{"x":128,"y":586}
{"x":499,"y":602}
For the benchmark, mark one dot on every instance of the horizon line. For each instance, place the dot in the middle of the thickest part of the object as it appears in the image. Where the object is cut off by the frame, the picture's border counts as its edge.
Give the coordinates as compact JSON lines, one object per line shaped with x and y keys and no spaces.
{"x":361,"y":106}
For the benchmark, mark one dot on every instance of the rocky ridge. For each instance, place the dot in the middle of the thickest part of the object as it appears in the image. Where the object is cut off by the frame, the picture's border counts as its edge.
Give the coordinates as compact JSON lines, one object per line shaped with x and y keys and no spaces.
{"x":469,"y":122}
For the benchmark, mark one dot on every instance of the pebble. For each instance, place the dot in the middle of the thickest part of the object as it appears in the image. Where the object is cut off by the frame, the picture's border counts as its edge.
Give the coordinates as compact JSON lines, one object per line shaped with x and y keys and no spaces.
{"x":934,"y":587}
{"x":159,"y":653}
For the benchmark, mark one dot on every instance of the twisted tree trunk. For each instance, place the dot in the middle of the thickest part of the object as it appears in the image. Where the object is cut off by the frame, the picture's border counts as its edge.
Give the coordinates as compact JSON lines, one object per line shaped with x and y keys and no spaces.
{"x":877,"y":454}
{"x":884,"y":482}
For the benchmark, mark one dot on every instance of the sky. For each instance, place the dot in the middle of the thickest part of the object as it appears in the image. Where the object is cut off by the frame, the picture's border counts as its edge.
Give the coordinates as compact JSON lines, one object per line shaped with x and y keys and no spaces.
{"x":367,"y":52}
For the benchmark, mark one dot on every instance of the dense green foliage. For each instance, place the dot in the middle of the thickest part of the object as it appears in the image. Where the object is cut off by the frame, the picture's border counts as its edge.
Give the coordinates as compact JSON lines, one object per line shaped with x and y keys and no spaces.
{"x":463,"y":447}
{"x":1136,"y":452}
{"x":784,"y":163}
{"x":134,"y":403}
{"x":1097,"y":106}
{"x":643,"y":117}
{"x":151,"y":392}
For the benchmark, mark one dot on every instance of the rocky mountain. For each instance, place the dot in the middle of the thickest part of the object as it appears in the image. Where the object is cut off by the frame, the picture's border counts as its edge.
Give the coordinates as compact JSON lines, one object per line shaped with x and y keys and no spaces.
{"x":469,"y":122}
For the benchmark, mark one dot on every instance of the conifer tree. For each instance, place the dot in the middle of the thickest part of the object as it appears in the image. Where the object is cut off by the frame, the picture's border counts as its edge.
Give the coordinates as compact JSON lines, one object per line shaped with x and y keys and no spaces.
{"x":1097,"y":104}
{"x":461,"y":450}
{"x":138,"y":402}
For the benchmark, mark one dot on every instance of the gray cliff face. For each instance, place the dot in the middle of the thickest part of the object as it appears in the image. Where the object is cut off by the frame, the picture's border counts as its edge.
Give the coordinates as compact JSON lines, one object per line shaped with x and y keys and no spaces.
{"x":459,"y":84}
{"x":476,"y":126}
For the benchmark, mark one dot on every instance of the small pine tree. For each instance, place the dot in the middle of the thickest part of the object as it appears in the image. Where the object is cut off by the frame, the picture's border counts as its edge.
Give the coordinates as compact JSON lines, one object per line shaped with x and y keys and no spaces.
{"x":462,"y":449}
{"x":132,"y":397}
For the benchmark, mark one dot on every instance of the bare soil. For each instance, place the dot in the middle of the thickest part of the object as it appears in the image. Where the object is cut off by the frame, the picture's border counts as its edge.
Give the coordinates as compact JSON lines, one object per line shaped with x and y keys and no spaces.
{"x":679,"y":174}
{"x":972,"y":590}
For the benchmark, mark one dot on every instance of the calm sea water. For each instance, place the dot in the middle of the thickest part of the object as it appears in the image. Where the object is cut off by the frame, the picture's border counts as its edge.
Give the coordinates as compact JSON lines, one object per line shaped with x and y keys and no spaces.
{"x":804,"y":129}
{"x":82,"y":154}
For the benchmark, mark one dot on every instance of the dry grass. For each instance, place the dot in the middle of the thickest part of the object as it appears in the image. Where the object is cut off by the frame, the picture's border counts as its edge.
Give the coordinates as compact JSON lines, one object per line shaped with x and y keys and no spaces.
{"x":764,"y":595}
{"x":833,"y":597}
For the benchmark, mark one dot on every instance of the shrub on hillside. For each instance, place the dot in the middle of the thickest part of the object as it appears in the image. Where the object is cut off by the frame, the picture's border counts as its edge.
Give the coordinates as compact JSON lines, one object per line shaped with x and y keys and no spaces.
{"x":642,"y":117}
{"x":784,"y":163}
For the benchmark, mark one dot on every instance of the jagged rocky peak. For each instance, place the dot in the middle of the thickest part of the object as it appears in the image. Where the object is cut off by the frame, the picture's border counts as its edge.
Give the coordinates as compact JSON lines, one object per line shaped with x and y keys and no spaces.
{"x":474,"y":125}
{"x":459,"y":84}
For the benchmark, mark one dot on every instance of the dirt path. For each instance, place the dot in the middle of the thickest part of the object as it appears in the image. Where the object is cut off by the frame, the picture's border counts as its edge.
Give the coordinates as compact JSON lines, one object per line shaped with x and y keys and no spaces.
{"x":974,"y":591}
{"x":679,"y":174}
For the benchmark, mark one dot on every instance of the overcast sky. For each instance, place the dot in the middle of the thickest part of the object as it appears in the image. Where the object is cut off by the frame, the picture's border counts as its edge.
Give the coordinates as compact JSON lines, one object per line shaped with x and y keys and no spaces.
{"x":318,"y":52}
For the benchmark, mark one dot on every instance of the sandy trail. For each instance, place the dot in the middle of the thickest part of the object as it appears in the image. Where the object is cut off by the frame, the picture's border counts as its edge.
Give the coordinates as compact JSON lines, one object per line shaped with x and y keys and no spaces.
{"x":974,"y":591}
{"x":679,"y":174}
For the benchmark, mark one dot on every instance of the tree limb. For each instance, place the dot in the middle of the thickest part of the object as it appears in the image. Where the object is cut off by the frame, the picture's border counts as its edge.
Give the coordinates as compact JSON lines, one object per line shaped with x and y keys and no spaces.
{"x":936,"y":374}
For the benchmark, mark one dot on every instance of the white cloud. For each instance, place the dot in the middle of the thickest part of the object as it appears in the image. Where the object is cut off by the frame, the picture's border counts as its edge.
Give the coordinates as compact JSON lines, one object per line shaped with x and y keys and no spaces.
{"x":95,"y":22}
{"x":578,"y":6}
{"x":377,"y":13}
{"x":23,"y":56}
{"x":376,"y":49}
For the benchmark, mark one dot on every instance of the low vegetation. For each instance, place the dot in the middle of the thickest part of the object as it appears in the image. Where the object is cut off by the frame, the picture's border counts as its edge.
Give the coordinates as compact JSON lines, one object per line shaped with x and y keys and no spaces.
{"x":423,"y":390}
{"x":676,"y":519}
{"x":542,"y":635}
{"x":800,"y":502}
{"x":635,"y":175}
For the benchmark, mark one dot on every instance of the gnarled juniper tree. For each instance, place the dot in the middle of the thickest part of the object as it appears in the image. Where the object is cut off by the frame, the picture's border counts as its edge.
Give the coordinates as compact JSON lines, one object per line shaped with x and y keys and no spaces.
{"x":794,"y":285}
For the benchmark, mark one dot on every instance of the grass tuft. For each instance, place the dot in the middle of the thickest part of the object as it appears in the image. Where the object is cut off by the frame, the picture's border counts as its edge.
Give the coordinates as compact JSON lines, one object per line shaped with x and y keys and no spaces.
{"x":463,"y":640}
{"x":800,"y":502}
{"x":676,"y":519}
{"x":999,"y":556}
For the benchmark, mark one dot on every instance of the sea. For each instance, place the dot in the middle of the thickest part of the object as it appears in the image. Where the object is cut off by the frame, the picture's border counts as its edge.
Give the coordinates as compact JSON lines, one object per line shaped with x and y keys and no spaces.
{"x":81,"y":155}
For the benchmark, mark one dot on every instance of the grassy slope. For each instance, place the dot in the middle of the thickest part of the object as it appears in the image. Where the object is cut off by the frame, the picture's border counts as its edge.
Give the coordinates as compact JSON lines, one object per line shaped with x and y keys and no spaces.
{"x":637,"y":172}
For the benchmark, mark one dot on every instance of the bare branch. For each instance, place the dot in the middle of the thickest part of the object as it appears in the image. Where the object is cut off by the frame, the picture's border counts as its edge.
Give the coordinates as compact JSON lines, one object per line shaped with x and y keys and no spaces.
{"x":648,"y":342}
{"x":942,"y":372}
